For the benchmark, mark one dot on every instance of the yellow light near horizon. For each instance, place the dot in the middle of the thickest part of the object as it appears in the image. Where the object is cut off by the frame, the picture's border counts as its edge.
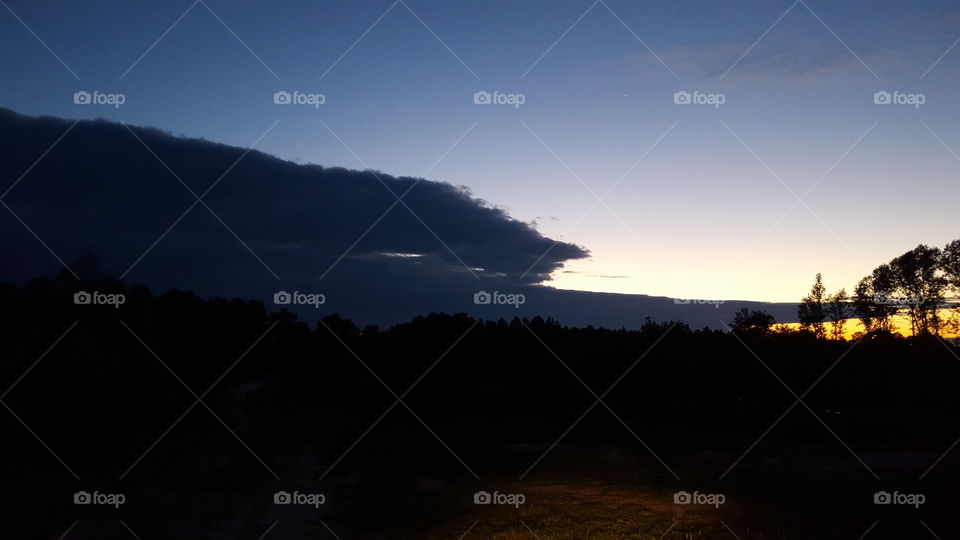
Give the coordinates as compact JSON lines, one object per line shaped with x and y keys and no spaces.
{"x":901,"y":325}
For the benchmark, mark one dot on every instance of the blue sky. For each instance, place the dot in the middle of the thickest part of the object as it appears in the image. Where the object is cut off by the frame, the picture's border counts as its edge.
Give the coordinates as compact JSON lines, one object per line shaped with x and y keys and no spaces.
{"x":703,"y":214}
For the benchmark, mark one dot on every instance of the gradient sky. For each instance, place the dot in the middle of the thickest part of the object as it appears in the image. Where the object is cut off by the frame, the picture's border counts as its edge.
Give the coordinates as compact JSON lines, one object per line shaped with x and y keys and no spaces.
{"x":703,"y":214}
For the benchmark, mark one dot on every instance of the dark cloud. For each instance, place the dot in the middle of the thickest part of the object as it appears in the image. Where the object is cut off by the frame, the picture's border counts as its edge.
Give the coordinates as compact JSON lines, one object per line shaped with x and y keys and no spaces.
{"x":100,"y":187}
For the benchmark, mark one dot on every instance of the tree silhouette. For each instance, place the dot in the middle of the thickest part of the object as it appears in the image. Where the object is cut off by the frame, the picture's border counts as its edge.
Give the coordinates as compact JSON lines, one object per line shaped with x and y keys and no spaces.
{"x":811,"y":311}
{"x":752,"y":322}
{"x":837,"y":313}
{"x":920,"y":287}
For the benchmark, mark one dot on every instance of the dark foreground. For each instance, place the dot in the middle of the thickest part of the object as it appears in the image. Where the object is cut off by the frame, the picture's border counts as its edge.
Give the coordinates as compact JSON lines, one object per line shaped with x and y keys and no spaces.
{"x":204,"y":416}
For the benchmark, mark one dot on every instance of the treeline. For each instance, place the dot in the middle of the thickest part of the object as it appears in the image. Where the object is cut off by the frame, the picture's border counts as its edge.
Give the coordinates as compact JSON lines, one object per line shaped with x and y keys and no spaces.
{"x":919,"y":285}
{"x":283,"y":383}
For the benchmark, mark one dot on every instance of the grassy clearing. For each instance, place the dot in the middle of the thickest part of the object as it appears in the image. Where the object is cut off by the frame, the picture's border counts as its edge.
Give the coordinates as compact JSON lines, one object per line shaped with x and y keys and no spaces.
{"x":592,"y":510}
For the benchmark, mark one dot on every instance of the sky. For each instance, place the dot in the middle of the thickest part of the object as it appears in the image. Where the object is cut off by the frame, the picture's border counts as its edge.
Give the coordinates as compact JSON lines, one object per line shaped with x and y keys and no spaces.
{"x":696,"y":200}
